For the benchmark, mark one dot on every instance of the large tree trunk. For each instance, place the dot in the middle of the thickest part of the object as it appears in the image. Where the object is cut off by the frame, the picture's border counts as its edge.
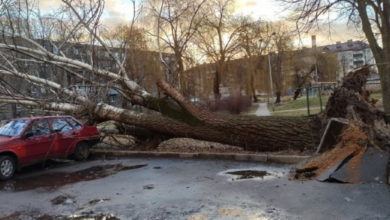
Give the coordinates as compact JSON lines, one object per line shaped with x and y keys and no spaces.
{"x":216,"y":83}
{"x":381,"y":55}
{"x":278,"y":97}
{"x":384,"y":72}
{"x":182,"y":80}
{"x":251,"y":133}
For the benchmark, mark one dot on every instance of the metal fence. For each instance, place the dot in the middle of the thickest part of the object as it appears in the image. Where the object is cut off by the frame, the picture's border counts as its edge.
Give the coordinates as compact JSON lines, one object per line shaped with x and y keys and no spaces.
{"x":321,"y":92}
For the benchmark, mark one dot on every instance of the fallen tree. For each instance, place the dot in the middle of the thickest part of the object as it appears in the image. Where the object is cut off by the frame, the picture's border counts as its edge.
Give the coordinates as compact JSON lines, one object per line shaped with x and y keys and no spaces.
{"x":22,"y":56}
{"x":171,"y":113}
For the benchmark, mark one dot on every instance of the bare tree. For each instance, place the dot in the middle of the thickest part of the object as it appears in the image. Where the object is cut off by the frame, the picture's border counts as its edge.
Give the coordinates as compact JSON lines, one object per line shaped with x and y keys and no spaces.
{"x":177,"y":23}
{"x":306,"y":62}
{"x":217,"y":38}
{"x":254,"y":39}
{"x":373,"y":17}
{"x":281,"y":43}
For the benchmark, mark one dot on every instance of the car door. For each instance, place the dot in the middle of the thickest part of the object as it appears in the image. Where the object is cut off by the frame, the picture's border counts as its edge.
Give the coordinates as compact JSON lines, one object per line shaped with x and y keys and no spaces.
{"x":65,"y":137}
{"x":39,"y":141}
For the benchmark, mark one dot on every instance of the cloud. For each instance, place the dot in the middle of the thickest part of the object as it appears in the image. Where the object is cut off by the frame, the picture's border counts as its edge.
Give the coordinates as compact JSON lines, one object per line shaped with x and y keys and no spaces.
{"x":118,"y":11}
{"x":261,"y":9}
{"x":115,"y":11}
{"x":331,"y":34}
{"x":250,"y":4}
{"x":48,"y":4}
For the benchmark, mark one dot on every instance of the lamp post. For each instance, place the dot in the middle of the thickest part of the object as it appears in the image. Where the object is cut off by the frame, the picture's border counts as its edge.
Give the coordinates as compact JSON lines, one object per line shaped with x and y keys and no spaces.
{"x":269,"y":67}
{"x":270,"y":72}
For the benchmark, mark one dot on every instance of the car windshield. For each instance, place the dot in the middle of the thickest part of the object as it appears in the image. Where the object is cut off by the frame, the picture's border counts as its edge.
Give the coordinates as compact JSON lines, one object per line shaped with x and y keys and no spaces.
{"x":13,"y":128}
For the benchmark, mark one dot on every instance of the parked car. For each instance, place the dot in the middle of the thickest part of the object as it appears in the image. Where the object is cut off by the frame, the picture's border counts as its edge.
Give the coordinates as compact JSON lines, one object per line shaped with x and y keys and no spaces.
{"x":26,"y":141}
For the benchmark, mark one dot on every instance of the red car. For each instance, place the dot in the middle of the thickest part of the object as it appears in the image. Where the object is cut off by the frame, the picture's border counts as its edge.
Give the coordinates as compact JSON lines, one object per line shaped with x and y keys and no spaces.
{"x":25,"y":141}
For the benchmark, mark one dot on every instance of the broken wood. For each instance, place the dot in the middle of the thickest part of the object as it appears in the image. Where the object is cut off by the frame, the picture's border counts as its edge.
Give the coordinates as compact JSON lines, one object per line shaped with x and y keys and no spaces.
{"x":365,"y":128}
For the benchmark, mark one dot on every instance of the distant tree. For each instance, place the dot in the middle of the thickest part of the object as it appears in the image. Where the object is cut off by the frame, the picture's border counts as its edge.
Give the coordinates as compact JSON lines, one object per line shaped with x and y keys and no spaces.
{"x":143,"y":65}
{"x":281,"y":42}
{"x":177,"y":22}
{"x":217,"y":38}
{"x":254,"y":40}
{"x":373,"y":16}
{"x":328,"y":66}
{"x":307,"y":62}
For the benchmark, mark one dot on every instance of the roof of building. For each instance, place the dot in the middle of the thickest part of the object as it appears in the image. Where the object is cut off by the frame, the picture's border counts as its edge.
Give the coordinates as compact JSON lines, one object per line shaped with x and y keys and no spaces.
{"x":350,"y":45}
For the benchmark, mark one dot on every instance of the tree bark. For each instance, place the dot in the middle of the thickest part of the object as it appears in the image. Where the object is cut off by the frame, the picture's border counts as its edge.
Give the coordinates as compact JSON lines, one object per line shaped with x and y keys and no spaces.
{"x":250,"y":132}
{"x":381,"y":54}
{"x":384,"y":73}
{"x":217,"y":81}
{"x":278,"y":95}
{"x":252,"y":86}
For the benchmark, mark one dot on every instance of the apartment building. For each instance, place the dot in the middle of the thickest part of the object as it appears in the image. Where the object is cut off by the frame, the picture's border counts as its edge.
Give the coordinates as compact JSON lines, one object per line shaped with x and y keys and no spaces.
{"x":350,"y":54}
{"x":144,"y":67}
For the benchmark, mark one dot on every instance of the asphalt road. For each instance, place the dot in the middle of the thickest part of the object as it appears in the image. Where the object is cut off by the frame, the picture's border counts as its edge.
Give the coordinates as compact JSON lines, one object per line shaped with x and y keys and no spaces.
{"x":184,"y":189}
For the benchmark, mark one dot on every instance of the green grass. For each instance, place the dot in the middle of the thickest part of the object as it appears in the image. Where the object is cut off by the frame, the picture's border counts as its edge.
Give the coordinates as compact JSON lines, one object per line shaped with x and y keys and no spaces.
{"x":301,"y":103}
{"x":296,"y":113}
{"x":299,"y":106}
{"x":377,"y":95}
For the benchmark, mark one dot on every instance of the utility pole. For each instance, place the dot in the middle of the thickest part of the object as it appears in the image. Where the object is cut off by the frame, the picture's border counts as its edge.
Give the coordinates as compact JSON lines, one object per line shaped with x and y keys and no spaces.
{"x":314,"y":48}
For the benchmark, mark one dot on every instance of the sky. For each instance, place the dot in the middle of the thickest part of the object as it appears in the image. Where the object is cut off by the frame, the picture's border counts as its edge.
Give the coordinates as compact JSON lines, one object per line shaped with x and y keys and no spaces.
{"x":120,"y":11}
{"x":273,"y":10}
{"x":265,"y":9}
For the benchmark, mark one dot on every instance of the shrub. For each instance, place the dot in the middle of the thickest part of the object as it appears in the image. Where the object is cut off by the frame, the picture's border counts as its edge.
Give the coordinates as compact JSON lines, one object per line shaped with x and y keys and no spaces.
{"x":234,"y":104}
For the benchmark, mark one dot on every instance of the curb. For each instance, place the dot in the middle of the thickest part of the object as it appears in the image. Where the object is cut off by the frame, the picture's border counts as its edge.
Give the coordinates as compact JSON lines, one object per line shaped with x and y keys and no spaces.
{"x":388,"y":172}
{"x":270,"y":158}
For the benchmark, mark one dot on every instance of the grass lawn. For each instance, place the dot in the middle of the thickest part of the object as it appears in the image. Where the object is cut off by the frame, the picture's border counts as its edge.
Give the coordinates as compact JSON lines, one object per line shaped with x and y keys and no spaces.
{"x":301,"y":104}
{"x":377,"y":95}
{"x":296,"y":112}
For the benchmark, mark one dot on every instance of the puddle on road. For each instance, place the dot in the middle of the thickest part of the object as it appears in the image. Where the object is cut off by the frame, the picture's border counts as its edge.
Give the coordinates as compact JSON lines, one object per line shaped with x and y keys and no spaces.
{"x":37,"y":216}
{"x":249,"y":174}
{"x":52,"y":181}
{"x":253,"y":173}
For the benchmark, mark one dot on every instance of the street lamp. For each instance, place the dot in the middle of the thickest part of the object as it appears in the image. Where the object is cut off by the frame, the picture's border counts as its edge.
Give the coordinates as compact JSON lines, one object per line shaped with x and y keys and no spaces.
{"x":270,"y":73}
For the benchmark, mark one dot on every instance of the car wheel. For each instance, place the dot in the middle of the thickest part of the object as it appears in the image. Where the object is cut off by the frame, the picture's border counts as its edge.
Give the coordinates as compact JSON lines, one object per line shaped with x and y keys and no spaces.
{"x":81,"y":152}
{"x":7,"y":167}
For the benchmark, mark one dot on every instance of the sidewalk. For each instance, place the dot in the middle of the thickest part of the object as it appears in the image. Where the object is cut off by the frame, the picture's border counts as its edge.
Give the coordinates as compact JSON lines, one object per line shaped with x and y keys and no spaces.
{"x":262,"y":110}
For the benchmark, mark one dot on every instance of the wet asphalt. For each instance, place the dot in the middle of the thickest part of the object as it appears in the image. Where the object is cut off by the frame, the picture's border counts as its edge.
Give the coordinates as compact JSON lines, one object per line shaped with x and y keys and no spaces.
{"x":183,"y":189}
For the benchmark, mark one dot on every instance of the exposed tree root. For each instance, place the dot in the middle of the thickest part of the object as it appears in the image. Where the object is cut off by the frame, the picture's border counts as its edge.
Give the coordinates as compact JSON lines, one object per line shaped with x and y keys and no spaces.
{"x":366,"y":128}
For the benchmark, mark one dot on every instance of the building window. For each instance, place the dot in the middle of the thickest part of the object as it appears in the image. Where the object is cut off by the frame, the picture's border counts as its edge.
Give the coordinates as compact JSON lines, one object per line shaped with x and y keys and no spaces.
{"x":358,"y":63}
{"x":358,"y":55}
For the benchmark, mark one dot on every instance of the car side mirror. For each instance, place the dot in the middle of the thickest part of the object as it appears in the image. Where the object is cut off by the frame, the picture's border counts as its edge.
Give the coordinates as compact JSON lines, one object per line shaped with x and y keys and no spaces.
{"x":27,"y":135}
